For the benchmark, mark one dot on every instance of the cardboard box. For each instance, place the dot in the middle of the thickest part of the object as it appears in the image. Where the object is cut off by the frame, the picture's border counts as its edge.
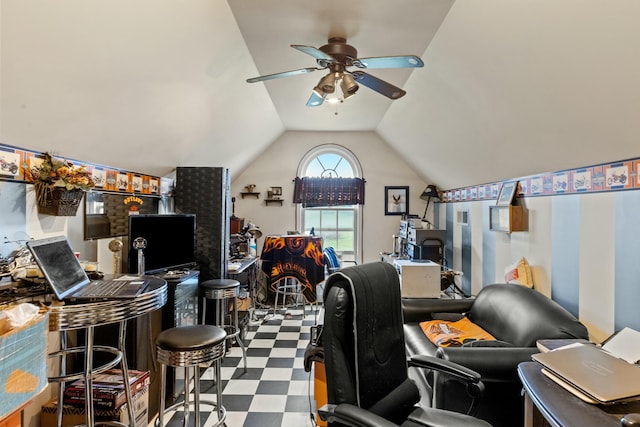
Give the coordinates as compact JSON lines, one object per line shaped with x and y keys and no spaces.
{"x":73,"y":415}
{"x":244,"y":304}
{"x":23,"y":363}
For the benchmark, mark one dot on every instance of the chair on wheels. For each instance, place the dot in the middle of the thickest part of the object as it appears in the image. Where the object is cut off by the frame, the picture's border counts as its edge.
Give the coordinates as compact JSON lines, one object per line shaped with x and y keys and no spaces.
{"x":365,"y":360}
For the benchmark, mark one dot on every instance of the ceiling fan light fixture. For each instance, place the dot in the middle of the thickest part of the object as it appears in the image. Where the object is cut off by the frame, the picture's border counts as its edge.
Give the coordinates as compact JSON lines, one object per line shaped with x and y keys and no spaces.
{"x":336,"y":56}
{"x":348,"y":85}
{"x":328,"y":83}
{"x":347,"y":96}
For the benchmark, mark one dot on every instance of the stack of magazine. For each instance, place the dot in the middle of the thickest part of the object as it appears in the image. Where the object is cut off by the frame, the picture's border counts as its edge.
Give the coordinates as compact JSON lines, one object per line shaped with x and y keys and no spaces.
{"x":108,"y":389}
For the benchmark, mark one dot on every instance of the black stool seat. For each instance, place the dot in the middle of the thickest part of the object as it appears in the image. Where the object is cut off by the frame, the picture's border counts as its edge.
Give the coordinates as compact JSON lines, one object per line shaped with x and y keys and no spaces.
{"x":220,"y":284}
{"x":191,"y":337}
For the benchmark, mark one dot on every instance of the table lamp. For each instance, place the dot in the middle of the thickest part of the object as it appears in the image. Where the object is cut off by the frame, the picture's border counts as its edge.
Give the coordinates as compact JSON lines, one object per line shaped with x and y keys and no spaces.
{"x":428,"y":193}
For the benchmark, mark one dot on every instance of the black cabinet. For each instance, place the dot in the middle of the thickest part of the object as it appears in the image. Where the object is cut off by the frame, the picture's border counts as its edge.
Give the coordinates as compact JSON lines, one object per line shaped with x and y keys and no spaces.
{"x":204,"y":191}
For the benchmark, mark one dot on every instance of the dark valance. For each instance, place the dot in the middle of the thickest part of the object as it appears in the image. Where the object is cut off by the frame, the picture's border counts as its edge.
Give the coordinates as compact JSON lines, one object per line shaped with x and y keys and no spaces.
{"x":316,"y":192}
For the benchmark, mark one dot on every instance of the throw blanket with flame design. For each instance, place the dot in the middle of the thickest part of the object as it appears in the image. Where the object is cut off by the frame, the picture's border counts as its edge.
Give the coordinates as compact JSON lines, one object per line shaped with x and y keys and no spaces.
{"x":298,"y":257}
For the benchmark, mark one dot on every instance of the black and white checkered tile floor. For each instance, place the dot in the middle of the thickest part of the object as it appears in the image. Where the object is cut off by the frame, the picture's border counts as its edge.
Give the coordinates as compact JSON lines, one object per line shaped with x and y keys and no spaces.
{"x":275,"y":391}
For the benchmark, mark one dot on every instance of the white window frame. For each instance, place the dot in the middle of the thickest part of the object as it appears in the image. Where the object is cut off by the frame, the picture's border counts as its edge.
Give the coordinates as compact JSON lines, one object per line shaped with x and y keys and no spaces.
{"x":351,"y":158}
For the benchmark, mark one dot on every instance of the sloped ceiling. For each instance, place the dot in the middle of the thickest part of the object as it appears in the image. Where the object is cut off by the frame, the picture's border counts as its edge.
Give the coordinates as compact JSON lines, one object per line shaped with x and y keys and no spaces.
{"x":518,"y":88}
{"x":508,"y":88}
{"x":374,"y":28}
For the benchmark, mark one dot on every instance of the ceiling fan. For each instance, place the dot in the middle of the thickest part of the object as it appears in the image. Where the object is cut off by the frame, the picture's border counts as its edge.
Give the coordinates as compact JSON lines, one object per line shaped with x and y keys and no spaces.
{"x":336,"y":56}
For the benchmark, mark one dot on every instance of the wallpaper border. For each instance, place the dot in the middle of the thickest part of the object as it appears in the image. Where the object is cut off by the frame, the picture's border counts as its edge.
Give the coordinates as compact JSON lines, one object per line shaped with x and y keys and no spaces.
{"x":613,"y":176}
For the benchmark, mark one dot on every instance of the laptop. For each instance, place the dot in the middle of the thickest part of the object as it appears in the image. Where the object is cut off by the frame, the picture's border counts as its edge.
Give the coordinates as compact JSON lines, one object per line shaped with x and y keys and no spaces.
{"x":592,"y":374}
{"x":68,"y":279}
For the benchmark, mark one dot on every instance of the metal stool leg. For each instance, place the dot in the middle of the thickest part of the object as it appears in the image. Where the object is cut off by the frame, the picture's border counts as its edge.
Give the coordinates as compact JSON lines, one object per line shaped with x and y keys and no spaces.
{"x":196,"y":394}
{"x":185,"y":403}
{"x":221,"y":409}
{"x":237,"y":325}
{"x":275,"y":303}
{"x":163,"y":394}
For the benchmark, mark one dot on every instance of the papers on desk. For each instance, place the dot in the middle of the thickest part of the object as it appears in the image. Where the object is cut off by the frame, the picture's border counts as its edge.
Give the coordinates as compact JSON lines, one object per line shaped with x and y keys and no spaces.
{"x":557,"y":344}
{"x":624,"y":345}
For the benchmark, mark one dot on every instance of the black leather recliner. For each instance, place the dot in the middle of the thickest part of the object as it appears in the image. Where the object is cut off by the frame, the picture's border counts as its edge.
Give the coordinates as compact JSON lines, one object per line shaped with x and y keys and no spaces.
{"x":365,"y":359}
{"x":517,"y":317}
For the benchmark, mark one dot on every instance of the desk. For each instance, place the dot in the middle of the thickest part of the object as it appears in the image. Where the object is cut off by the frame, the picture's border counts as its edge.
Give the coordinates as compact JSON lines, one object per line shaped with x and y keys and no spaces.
{"x":245,"y":267}
{"x":64,"y":317}
{"x":246,"y":273}
{"x":548,"y":404}
{"x":295,"y":256}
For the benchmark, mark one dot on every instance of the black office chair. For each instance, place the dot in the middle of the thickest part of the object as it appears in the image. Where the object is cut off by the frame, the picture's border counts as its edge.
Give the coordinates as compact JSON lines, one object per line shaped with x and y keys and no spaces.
{"x":365,"y":359}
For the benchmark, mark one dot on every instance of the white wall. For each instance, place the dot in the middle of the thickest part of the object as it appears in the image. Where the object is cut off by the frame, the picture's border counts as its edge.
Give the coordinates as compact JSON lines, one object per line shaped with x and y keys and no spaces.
{"x":277,"y":166}
{"x":20,"y":221}
{"x":581,"y":249}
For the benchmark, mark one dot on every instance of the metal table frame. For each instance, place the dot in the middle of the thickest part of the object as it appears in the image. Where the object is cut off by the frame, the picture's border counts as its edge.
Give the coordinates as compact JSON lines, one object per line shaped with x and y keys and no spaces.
{"x":64,"y":317}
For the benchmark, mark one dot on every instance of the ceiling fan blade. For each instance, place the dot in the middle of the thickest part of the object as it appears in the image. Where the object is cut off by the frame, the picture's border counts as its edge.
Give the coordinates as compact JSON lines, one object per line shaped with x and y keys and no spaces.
{"x":380,"y":86}
{"x":405,"y":61}
{"x":315,"y":52}
{"x":316,"y":99}
{"x":282,"y":74}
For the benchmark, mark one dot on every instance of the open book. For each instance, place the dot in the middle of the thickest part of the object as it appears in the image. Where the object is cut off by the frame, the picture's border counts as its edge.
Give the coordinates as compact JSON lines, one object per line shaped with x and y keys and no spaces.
{"x":624,"y":345}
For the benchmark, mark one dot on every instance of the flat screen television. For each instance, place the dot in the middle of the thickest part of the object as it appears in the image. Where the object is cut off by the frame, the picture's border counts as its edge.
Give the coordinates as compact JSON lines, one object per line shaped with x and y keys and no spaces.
{"x":171,"y":242}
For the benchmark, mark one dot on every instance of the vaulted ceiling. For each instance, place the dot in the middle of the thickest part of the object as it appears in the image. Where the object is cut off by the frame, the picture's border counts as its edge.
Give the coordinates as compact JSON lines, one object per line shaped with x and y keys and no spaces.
{"x":508,"y":88}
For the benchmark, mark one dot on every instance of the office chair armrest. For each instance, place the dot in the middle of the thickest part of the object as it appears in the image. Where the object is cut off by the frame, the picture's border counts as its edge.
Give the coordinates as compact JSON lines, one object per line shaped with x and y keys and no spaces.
{"x":352,"y":415}
{"x":445,"y":366}
{"x":469,"y":377}
{"x":494,"y":364}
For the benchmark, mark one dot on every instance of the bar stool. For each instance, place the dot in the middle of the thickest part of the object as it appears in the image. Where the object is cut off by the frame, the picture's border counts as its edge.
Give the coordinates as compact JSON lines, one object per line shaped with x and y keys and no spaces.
{"x":191,"y":346}
{"x":221,"y":291}
{"x":288,"y":287}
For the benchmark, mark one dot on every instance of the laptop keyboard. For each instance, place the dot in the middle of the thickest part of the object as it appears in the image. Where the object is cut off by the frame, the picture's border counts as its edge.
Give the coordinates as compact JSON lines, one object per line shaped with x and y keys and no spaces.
{"x":101,"y":288}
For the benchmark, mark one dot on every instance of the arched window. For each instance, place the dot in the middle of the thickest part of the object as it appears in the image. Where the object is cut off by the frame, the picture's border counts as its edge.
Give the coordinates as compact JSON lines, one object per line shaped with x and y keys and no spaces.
{"x":340,"y":225}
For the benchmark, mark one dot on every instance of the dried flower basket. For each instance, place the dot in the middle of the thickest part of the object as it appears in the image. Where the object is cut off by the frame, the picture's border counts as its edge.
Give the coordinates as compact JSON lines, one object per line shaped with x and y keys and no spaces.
{"x":23,"y":363}
{"x":57,"y":201}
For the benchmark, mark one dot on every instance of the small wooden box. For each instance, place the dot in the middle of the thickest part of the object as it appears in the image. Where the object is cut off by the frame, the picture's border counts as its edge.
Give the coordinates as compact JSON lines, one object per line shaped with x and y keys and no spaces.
{"x":508,"y":218}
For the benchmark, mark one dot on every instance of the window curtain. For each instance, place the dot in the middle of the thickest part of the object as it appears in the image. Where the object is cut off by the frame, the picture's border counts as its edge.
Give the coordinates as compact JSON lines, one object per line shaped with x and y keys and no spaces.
{"x":319,"y":192}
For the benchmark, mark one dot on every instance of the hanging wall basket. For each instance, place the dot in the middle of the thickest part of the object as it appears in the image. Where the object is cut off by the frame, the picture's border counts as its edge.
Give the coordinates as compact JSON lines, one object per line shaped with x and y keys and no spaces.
{"x":57,"y":201}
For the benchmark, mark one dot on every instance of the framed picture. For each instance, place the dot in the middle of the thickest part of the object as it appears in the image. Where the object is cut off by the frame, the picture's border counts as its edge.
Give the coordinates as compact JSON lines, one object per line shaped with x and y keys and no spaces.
{"x":274,"y":193}
{"x":396,"y":200}
{"x":507,"y":191}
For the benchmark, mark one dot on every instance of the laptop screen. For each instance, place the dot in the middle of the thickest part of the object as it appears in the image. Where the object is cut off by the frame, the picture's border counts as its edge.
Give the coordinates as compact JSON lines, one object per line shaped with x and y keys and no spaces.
{"x":59,"y":265}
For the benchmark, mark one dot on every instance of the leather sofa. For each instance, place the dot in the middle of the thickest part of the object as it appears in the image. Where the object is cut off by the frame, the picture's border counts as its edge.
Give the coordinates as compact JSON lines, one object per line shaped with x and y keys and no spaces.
{"x":517,"y":317}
